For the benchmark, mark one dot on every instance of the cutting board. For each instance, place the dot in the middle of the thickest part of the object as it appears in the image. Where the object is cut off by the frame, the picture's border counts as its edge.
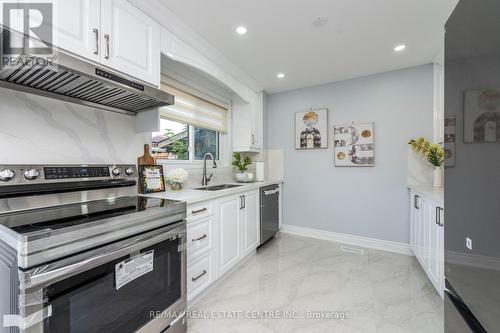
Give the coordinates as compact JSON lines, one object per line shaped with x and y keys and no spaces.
{"x":146,"y":159}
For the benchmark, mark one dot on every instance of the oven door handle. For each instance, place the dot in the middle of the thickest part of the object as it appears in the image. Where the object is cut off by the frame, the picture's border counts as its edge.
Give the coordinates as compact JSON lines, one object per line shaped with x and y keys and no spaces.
{"x":59,"y":270}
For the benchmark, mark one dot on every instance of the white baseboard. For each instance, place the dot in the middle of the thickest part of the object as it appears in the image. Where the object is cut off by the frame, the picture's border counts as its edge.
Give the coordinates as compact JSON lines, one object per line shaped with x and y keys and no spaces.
{"x":371,"y":243}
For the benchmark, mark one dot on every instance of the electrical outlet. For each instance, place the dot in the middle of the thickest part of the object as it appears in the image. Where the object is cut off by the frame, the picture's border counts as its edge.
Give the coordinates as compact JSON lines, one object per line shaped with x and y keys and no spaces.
{"x":468,"y":243}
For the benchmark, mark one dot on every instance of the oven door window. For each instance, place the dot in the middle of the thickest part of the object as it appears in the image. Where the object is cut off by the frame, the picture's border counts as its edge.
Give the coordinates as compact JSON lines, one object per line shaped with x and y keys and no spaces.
{"x":91,"y":303}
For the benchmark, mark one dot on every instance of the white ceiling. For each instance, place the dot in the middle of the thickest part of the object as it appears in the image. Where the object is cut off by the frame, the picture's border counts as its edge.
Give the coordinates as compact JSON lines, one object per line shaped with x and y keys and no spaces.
{"x":358,"y":39}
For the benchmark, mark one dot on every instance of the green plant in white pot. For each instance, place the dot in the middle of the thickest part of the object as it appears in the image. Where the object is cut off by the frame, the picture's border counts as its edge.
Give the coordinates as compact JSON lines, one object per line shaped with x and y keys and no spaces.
{"x":434,"y":154}
{"x":241,"y":165}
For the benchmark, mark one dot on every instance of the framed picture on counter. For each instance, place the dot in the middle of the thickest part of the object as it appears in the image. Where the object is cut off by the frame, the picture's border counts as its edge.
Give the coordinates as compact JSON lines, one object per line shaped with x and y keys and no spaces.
{"x":151,"y":179}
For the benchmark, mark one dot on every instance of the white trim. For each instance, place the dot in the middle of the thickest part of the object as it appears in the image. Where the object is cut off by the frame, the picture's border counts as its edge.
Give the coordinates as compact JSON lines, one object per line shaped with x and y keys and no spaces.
{"x":371,"y":243}
{"x":438,"y":103}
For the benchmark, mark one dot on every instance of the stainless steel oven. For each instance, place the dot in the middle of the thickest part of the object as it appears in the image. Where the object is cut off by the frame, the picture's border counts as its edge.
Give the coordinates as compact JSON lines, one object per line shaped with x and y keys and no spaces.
{"x":86,"y":293}
{"x":111,"y":264}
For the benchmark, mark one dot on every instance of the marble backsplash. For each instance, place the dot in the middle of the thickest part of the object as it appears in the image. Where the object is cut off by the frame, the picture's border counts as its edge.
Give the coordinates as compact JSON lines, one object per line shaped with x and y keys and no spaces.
{"x":36,"y":129}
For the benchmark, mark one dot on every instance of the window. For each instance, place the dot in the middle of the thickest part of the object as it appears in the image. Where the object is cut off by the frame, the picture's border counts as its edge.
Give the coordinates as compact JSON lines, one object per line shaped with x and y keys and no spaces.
{"x":172,"y":142}
{"x":182,"y":142}
{"x":205,"y":141}
{"x":190,"y":128}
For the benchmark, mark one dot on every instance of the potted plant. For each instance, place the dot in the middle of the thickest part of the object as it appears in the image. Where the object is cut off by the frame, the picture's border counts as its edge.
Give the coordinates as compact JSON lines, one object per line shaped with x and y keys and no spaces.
{"x":434,"y":155}
{"x":241,"y":164}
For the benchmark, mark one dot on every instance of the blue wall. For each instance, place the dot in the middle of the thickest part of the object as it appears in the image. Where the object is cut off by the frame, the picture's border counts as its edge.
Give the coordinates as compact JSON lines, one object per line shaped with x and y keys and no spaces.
{"x":368,"y":202}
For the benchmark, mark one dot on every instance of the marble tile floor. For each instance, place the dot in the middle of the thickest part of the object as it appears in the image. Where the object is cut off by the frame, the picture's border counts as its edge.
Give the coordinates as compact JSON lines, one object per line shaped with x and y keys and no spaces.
{"x":375,"y":291}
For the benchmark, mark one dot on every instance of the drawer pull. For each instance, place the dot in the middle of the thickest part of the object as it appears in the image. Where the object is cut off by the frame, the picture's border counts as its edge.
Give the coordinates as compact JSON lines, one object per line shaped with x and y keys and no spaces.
{"x":199,"y":210}
{"x":199,"y":276}
{"x":199,"y":238}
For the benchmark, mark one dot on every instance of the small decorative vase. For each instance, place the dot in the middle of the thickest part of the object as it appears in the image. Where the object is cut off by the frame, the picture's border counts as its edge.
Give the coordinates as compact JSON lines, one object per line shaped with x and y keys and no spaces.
{"x":438,"y":176}
{"x":175,"y":186}
{"x":244,"y":177}
{"x":241,"y":177}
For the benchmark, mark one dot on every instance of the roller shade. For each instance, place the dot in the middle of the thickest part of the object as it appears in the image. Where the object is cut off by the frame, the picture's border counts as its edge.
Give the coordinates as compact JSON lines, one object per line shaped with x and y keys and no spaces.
{"x":194,"y":111}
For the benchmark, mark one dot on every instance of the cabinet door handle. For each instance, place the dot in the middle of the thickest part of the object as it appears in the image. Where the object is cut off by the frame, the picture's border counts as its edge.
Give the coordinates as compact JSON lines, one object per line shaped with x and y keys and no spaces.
{"x":253,"y":138}
{"x":415,"y":201}
{"x":241,"y":202}
{"x":198,"y":276}
{"x":244,"y":201}
{"x":438,"y":212}
{"x":96,"y":39}
{"x":199,"y":210}
{"x":106,"y":37}
{"x":199,"y":238}
{"x":440,"y":222}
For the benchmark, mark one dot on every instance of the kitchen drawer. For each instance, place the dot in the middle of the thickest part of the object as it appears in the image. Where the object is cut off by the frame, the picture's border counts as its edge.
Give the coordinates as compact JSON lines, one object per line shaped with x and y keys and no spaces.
{"x":199,"y":210}
{"x":200,"y":236}
{"x":200,"y":274}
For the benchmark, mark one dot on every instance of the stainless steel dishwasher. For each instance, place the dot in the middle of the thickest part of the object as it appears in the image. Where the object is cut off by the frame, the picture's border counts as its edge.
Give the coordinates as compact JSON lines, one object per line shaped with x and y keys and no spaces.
{"x":269,"y":212}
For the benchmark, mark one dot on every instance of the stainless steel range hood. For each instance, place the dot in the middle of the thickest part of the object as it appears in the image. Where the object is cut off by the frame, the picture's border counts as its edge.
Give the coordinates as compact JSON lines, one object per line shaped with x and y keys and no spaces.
{"x":78,"y":81}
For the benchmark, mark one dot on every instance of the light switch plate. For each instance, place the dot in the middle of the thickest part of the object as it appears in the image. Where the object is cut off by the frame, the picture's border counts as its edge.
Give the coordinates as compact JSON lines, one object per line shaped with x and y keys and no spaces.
{"x":468,"y":243}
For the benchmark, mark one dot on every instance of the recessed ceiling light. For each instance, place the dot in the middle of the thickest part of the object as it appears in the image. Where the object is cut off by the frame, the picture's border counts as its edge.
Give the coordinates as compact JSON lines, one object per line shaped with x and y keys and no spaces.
{"x":320,"y":21}
{"x":241,"y":30}
{"x":400,"y":47}
{"x":280,"y":75}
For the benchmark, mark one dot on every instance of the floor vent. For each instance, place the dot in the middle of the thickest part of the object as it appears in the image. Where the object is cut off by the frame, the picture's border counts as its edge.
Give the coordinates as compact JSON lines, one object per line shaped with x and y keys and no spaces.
{"x":352,"y":249}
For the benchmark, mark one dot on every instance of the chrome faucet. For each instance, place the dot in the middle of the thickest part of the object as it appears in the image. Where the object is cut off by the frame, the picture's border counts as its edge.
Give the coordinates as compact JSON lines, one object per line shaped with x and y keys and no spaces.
{"x":204,"y":179}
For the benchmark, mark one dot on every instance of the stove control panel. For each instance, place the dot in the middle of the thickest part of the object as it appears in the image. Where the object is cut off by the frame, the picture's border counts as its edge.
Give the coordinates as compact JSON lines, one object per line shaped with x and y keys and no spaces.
{"x":57,"y":172}
{"x":24,"y":174}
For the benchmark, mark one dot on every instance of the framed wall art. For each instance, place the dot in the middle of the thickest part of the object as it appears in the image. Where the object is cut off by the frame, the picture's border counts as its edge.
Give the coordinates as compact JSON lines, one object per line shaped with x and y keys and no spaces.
{"x":151,"y":179}
{"x":311,"y":129}
{"x":354,"y":145}
{"x":482,"y":116}
{"x":450,"y":137}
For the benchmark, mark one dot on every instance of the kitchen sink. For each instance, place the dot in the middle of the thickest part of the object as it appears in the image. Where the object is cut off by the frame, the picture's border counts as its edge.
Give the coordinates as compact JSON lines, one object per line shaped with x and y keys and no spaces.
{"x":217,"y":187}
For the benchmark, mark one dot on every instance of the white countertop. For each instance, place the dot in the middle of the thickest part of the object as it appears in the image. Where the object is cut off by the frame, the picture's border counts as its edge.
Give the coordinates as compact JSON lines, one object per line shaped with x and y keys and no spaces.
{"x":434,"y":193}
{"x":191,"y":196}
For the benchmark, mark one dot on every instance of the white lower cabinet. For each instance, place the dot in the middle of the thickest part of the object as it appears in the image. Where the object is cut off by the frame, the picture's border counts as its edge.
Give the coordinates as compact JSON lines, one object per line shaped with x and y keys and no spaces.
{"x":220,"y":233}
{"x":250,"y":222}
{"x":435,"y":262}
{"x":238,"y":229}
{"x":200,"y":236}
{"x":200,"y":274}
{"x":200,"y":243}
{"x":427,"y":237}
{"x":228,"y":244}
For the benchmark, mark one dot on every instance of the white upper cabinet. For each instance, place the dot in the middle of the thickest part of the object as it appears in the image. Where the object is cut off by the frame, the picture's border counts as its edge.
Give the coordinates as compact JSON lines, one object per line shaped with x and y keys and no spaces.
{"x":113,"y":33}
{"x":247,"y":124}
{"x":77,"y":27}
{"x":131,"y":41}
